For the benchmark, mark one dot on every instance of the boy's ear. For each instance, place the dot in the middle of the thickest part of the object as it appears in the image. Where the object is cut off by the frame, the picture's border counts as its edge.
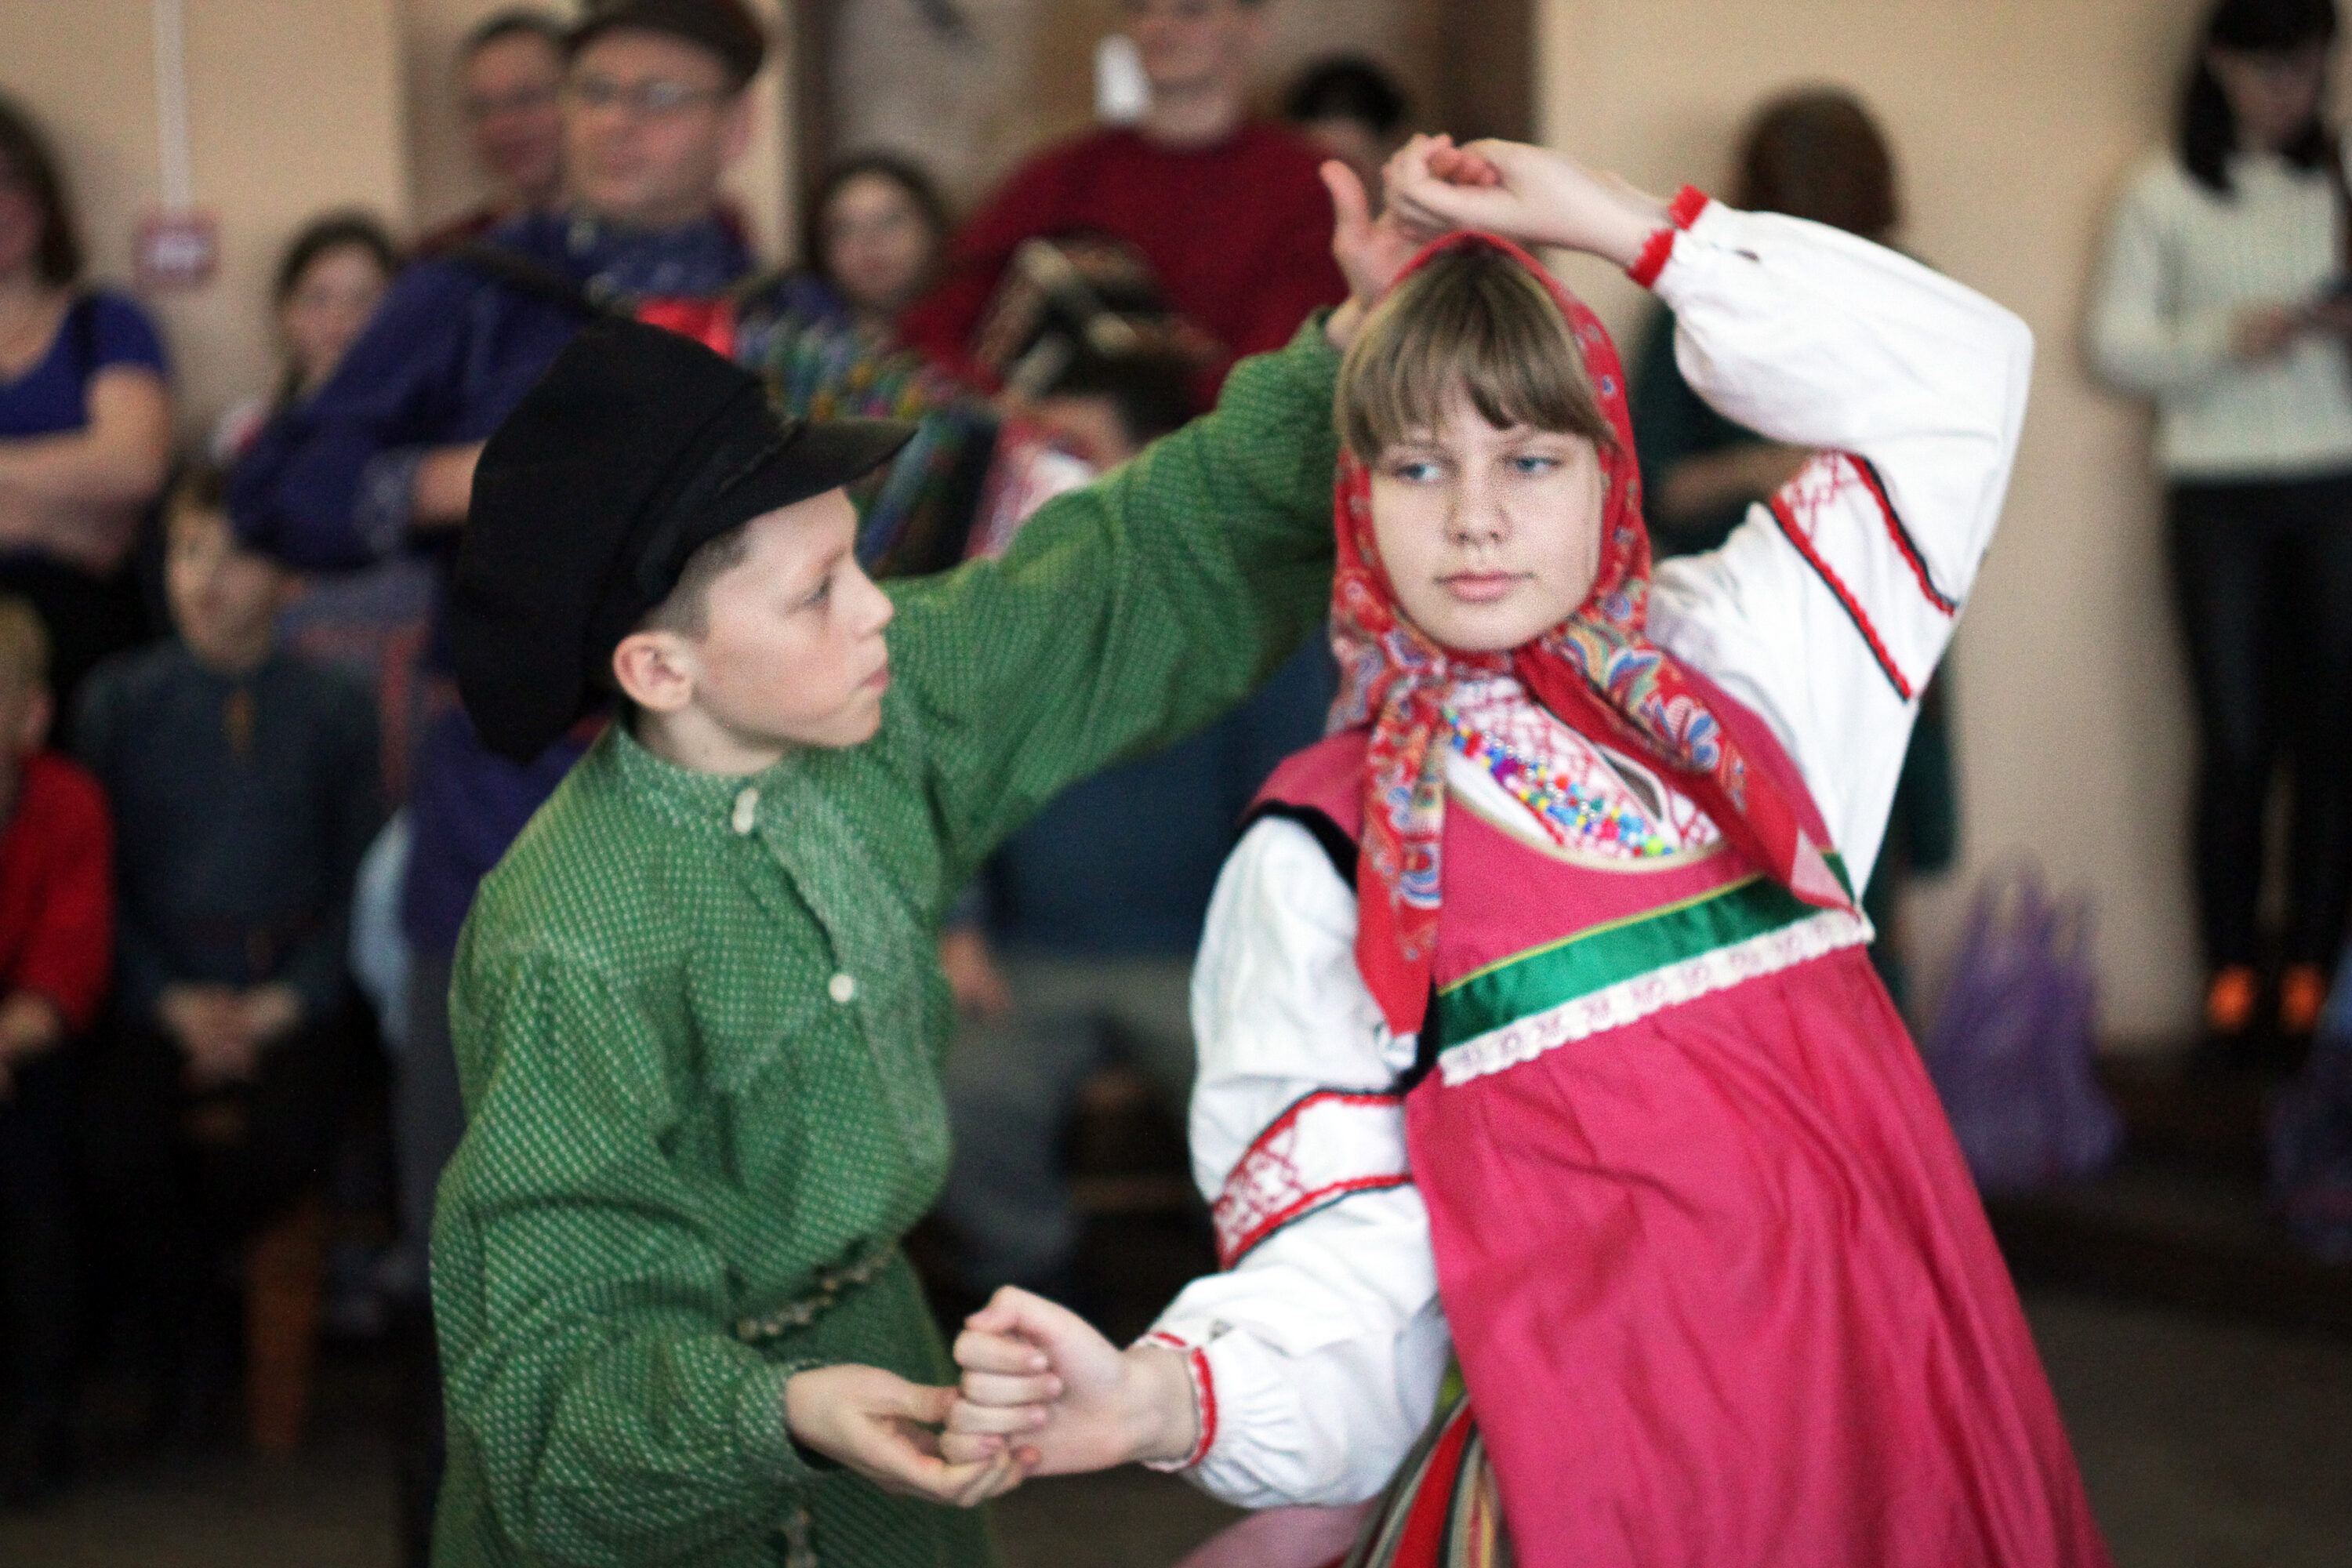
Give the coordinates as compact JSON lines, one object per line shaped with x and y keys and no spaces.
{"x":655,"y":670}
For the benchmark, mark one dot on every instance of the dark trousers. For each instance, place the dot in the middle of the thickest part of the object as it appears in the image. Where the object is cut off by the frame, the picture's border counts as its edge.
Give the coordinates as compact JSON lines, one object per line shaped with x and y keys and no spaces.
{"x":2262,"y":581}
{"x":37,"y":1261}
{"x":175,"y":1180}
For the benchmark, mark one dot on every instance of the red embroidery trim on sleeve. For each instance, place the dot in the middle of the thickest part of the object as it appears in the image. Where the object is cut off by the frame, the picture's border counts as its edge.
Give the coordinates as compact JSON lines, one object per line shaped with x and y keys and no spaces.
{"x":1269,"y":1189}
{"x":1799,"y":535}
{"x":1689,"y":202}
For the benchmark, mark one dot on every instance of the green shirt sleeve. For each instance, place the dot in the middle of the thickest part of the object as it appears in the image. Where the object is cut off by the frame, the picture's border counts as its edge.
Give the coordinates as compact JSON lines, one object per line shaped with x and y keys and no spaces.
{"x":581,"y":1305}
{"x":1128,"y":613}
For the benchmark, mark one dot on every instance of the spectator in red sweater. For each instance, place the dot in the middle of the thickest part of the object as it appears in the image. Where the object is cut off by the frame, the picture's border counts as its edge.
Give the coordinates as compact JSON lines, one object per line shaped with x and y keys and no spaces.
{"x":1227,"y":210}
{"x":55,"y":938}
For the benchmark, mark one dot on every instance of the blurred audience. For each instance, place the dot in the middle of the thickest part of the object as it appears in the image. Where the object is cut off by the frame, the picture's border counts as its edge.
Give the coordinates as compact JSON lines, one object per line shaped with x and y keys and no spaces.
{"x":56,"y":938}
{"x":2224,"y":296}
{"x":333,"y":273}
{"x":509,"y":70}
{"x":1096,"y":906}
{"x":1351,"y":107}
{"x":1815,"y":154}
{"x":826,"y":338}
{"x":85,"y":420}
{"x":873,"y":237}
{"x":243,"y":780}
{"x":1226,"y":211}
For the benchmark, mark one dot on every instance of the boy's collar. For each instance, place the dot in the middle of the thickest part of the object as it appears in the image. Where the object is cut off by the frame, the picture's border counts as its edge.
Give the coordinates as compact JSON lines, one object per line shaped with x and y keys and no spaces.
{"x":705,"y":802}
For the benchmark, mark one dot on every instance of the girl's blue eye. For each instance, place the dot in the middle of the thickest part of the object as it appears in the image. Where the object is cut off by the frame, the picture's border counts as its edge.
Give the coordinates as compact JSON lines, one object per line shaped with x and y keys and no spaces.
{"x":824,"y":592}
{"x":1414,"y":472}
{"x":1530,"y":463}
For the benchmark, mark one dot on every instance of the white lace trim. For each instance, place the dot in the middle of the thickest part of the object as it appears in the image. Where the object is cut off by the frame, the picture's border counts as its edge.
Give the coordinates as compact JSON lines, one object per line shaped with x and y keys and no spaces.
{"x":1628,"y":1001}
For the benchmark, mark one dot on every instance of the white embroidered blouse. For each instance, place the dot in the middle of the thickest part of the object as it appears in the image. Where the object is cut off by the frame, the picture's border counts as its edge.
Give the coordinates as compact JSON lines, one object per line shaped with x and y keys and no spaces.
{"x":1316,"y":1355}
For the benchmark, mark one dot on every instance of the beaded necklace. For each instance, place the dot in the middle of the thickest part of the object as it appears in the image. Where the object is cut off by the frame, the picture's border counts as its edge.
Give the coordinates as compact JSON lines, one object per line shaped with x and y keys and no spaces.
{"x":1574,"y":813}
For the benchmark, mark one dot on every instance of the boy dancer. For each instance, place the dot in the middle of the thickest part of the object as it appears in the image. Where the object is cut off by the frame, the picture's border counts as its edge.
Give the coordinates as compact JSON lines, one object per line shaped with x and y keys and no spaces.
{"x":1536,"y":1028}
{"x":697,"y":1014}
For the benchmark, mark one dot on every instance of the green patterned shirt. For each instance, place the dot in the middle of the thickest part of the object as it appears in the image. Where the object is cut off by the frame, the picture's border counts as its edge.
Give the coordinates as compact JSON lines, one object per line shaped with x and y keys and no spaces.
{"x":700,"y":1022}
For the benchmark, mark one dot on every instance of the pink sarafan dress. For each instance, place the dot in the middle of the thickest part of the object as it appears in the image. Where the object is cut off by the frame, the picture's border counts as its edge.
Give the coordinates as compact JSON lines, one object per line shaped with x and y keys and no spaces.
{"x":1650,"y":1158}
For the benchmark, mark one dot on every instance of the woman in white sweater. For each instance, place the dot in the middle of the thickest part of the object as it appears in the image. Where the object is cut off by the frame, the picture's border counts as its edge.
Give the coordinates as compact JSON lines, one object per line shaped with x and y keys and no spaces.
{"x":2223,"y":297}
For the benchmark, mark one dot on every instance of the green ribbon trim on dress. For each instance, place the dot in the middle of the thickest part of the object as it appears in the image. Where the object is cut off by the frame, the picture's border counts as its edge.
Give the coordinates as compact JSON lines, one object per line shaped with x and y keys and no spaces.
{"x":1601,"y":956}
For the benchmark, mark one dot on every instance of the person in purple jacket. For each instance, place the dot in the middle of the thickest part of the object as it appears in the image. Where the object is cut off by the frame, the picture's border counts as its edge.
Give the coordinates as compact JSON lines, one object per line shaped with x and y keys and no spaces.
{"x":380,"y":459}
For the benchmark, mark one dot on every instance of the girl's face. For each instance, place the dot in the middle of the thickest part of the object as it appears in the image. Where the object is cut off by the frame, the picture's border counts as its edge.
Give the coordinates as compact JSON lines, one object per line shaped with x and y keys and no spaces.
{"x":328,"y":307}
{"x":877,"y":244}
{"x":1490,"y":537}
{"x":2273,"y":94}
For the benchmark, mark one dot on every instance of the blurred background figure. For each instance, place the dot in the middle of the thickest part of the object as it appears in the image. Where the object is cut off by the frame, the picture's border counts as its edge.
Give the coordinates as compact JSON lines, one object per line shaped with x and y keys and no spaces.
{"x":2223,"y":297}
{"x":1088,"y":918}
{"x":85,"y":421}
{"x":1815,"y":154}
{"x":1225,"y":212}
{"x":333,"y":274}
{"x":1351,"y":109}
{"x":509,"y":71}
{"x":244,"y":786}
{"x":874,"y":235}
{"x":56,"y":938}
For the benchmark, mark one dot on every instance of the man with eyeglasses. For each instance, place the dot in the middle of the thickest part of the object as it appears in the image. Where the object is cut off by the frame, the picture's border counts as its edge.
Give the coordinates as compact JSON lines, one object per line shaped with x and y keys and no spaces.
{"x":510,"y":69}
{"x":380,"y":458}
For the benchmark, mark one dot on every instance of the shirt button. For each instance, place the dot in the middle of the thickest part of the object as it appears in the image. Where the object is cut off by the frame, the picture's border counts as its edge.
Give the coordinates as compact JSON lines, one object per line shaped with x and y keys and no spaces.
{"x":842,"y":988}
{"x":747,"y":811}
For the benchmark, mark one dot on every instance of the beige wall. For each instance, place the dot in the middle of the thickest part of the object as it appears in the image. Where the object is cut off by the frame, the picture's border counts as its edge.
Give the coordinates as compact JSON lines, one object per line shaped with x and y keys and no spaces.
{"x":443,"y":179}
{"x":2014,"y":120}
{"x":293,"y":106}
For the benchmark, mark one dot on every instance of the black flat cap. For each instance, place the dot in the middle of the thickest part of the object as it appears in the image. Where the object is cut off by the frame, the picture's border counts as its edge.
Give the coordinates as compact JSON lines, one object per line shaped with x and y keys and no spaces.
{"x":725,"y":27}
{"x":636,"y":448}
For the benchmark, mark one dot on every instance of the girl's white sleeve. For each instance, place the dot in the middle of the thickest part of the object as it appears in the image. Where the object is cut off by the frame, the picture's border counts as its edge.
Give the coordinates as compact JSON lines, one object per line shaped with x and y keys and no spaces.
{"x":1829,"y":607}
{"x":1317,"y":1354}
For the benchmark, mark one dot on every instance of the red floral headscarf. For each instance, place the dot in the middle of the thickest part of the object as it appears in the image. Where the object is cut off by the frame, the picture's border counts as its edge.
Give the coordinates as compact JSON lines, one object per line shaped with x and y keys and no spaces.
{"x":1597,"y":671}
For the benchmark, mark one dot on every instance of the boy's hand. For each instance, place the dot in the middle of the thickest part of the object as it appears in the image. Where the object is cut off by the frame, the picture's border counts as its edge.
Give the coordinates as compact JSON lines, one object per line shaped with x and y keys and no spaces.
{"x":1038,"y":1375}
{"x":1370,"y":251}
{"x":1527,"y":194}
{"x":879,"y":1425}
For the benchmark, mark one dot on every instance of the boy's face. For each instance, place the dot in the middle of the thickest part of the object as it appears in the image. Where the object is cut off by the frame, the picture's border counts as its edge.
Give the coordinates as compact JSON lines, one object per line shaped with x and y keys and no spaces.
{"x":225,"y":598}
{"x":792,"y":652}
{"x":1490,"y":537}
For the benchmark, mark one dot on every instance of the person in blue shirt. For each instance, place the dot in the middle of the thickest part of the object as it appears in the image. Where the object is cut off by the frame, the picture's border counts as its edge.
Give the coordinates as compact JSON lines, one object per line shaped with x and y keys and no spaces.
{"x":1089,"y":917}
{"x":85,"y":420}
{"x":380,"y":459}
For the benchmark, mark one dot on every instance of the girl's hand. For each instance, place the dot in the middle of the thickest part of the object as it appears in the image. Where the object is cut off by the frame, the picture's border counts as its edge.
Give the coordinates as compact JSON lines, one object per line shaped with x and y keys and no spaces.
{"x":1530,"y":194}
{"x":1112,"y":1407}
{"x":879,"y":1425}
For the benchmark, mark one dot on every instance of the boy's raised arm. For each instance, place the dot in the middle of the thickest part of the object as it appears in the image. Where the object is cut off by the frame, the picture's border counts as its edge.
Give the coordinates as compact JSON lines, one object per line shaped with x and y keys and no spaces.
{"x":1143,"y":607}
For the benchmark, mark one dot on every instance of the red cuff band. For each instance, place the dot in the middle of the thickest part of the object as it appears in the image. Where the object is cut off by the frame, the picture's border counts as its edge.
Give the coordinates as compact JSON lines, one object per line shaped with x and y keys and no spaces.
{"x":1653,"y":258}
{"x":1689,"y":202}
{"x":1204,"y":1399}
